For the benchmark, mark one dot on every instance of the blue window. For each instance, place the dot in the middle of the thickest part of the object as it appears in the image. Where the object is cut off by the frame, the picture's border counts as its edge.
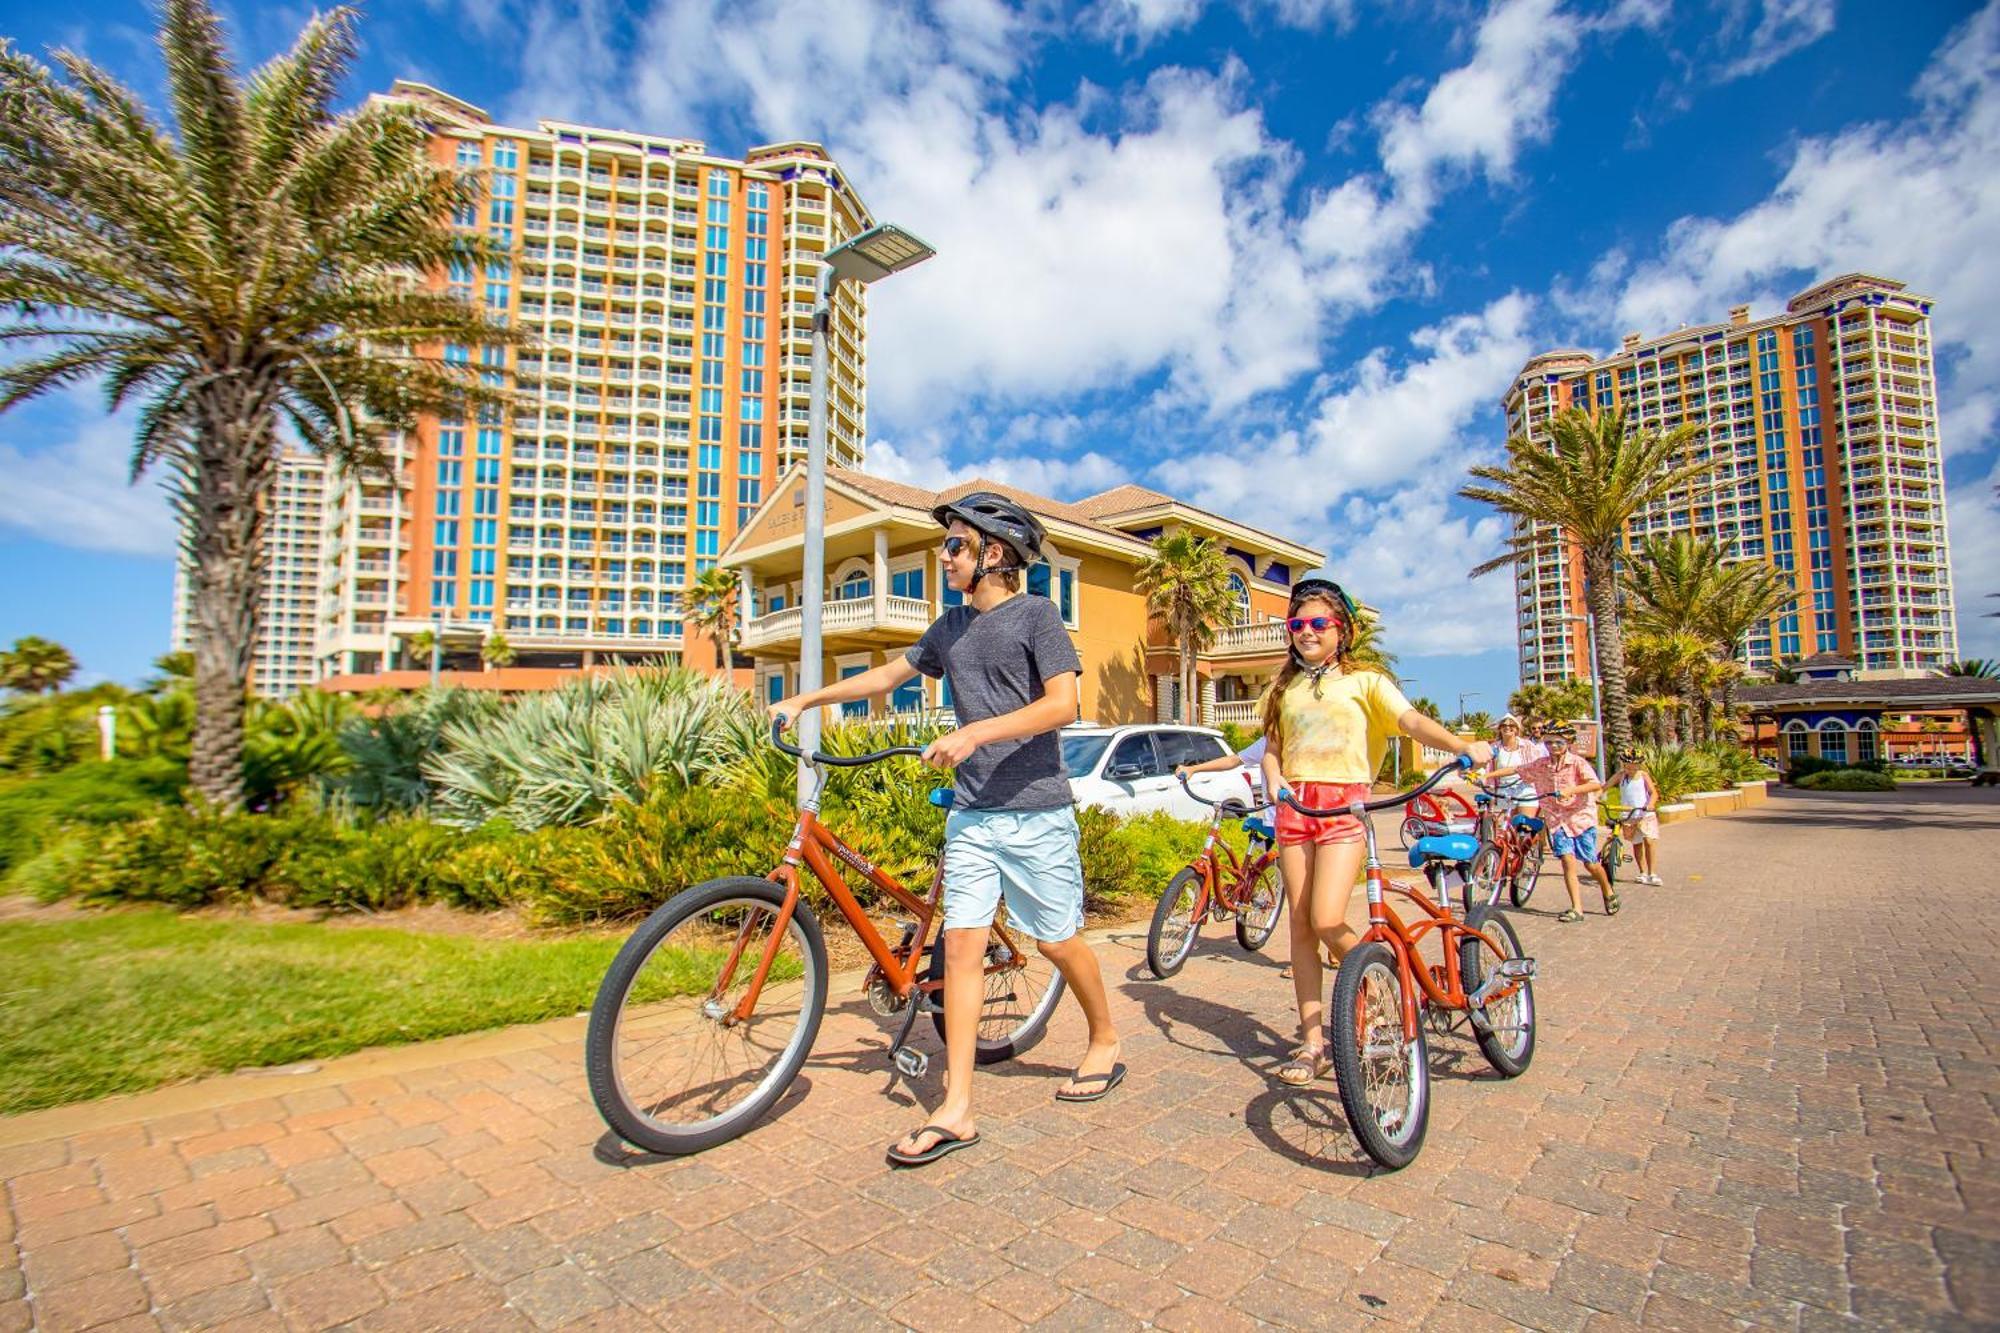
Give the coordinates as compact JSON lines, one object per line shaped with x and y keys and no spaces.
{"x":909,"y":696}
{"x":718,"y":185}
{"x":444,"y":532}
{"x":468,"y":154}
{"x":774,"y":688}
{"x":855,"y":585}
{"x":908,"y":583}
{"x":858,"y":707}
{"x":451,"y":474}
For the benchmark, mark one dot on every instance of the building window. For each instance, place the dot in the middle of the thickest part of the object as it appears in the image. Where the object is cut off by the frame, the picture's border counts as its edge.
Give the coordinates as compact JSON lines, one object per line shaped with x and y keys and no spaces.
{"x":908,"y":583}
{"x":909,"y":696}
{"x":1866,"y":747}
{"x":1795,"y":740}
{"x":856,"y":586}
{"x":857,"y":707}
{"x":1833,"y":741}
{"x":1240,"y":592}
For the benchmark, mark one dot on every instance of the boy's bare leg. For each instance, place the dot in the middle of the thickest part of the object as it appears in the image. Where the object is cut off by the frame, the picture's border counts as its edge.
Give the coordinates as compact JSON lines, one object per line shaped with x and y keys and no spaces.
{"x":964,"y":993}
{"x":1570,"y":884}
{"x":1080,"y":968}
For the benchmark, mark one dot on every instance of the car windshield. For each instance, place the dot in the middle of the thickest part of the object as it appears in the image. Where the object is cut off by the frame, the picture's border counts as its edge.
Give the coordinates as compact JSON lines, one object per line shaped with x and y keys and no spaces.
{"x":1080,"y":753}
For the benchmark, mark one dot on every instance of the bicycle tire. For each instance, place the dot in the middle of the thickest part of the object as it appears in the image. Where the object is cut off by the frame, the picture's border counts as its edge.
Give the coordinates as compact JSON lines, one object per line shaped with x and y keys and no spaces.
{"x":1183,"y":904}
{"x":1612,"y":857}
{"x":1392,"y":1148}
{"x":1509,"y":1052}
{"x":1522,"y":886}
{"x":1483,"y":880}
{"x":1253,"y":932}
{"x":1008,"y":1039}
{"x":610,"y":1088}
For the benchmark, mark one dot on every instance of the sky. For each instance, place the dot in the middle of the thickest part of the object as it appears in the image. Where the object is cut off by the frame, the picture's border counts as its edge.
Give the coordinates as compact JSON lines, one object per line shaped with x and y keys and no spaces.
{"x":1280,"y":258}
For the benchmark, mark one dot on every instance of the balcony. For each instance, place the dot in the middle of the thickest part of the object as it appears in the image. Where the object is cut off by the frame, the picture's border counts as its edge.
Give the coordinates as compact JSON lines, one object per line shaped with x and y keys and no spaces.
{"x":1259,"y":640}
{"x":902,"y":619}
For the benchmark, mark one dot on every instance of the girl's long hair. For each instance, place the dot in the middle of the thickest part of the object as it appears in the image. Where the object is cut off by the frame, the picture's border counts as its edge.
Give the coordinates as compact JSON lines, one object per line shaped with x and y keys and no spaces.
{"x":1273,"y":702}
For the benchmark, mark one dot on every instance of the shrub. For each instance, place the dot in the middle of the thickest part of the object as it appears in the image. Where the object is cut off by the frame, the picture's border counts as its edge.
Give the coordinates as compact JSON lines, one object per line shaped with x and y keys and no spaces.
{"x":1240,"y":738}
{"x":191,"y":859}
{"x":386,"y":754}
{"x":1111,"y":871}
{"x":1846,"y":779}
{"x":1734,"y":763}
{"x":1678,"y":772}
{"x":1807,"y":764}
{"x":33,"y":810}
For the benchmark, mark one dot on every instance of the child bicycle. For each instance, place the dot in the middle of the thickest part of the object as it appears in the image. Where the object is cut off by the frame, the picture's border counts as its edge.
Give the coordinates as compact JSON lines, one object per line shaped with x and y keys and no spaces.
{"x":1218,"y":884}
{"x":1512,"y":847}
{"x":1615,"y":853}
{"x":709,"y":1011}
{"x":1384,"y":993}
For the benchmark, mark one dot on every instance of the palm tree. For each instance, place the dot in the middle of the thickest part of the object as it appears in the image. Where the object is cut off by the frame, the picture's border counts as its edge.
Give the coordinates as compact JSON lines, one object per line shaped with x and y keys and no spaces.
{"x":268,"y":263}
{"x":35,"y":665}
{"x":1982,"y":668}
{"x":711,"y":607}
{"x":419,"y":647}
{"x":496,"y":651}
{"x":1186,"y":582}
{"x":1750,"y":594}
{"x":1587,"y":482}
{"x":1426,"y":705}
{"x":1366,"y":650}
{"x":1669,"y":579}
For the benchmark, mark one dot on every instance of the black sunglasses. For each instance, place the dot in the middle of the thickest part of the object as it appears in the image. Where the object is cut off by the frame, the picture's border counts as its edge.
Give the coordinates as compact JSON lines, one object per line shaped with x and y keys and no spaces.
{"x":953,"y":545}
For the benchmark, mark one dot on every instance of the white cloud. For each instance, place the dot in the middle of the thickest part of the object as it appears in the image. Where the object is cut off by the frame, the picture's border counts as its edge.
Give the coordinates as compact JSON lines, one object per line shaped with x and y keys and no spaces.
{"x":1145,"y":20}
{"x":75,"y":491}
{"x":923,"y":460}
{"x":1783,"y":26}
{"x":1919,"y":201}
{"x":1973,"y":511}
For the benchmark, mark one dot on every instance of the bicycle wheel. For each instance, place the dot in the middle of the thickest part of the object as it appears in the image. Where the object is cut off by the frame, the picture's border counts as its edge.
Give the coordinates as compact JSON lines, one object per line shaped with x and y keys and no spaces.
{"x":1409,"y":831}
{"x":1263,"y":904}
{"x":1612,"y":857}
{"x":1020,"y":995}
{"x":1522,"y":886}
{"x":1484,"y":885}
{"x":1176,"y":923}
{"x":671,"y":1068}
{"x":1510,"y":1044}
{"x":1385,"y":1082}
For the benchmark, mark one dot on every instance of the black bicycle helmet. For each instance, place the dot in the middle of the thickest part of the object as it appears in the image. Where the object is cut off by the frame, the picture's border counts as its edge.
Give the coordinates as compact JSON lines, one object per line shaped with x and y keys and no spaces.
{"x":1327,"y":588}
{"x":997,"y":517}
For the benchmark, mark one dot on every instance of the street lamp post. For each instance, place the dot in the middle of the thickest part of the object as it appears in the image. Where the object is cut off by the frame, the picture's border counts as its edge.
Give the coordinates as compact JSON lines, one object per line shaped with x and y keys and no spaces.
{"x":1463,"y":695}
{"x":874,"y":254}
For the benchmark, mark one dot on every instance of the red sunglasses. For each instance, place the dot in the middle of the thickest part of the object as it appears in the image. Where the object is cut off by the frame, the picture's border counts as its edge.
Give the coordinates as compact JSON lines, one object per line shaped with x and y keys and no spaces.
{"x":1319,"y":624}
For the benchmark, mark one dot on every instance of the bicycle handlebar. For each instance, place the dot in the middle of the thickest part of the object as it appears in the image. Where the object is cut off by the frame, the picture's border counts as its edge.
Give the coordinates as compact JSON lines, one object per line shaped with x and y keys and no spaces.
{"x":838,"y":760}
{"x":1264,"y":805}
{"x":1459,"y":765}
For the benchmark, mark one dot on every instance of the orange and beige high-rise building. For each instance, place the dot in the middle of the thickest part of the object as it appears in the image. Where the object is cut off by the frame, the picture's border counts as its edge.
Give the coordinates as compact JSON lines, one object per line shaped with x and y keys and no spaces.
{"x":670,"y":291}
{"x":1825,"y":420}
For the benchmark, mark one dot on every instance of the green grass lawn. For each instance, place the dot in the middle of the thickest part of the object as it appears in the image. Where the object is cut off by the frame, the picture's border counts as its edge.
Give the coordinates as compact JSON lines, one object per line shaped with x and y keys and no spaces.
{"x":123,"y":1001}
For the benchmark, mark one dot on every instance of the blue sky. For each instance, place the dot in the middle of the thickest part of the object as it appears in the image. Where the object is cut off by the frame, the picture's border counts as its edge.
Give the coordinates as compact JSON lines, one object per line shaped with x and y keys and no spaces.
{"x":1278,"y":256}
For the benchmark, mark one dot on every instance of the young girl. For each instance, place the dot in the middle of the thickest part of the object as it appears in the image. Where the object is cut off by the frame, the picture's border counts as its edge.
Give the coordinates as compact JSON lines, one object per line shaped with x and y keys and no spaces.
{"x":1638,"y":814}
{"x":1326,"y":725}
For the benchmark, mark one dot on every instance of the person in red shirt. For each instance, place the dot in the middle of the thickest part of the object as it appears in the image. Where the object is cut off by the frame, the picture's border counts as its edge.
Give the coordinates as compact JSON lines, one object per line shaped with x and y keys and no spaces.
{"x":1570,"y":814}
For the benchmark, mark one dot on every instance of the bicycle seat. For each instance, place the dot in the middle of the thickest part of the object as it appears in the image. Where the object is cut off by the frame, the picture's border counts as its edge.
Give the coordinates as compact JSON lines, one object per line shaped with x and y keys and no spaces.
{"x":1454,"y":847}
{"x":1258,"y":827}
{"x":942,"y":797}
{"x":1527,"y":823}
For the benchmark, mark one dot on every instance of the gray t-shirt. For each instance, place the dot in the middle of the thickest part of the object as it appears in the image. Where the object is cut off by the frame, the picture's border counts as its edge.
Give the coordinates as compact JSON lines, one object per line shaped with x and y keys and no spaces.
{"x":996,"y":662}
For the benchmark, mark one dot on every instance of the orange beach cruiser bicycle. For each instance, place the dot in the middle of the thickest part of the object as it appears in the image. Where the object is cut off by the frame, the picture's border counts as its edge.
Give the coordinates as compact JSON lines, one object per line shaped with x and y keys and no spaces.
{"x":1217,"y":885}
{"x":709,"y":1011}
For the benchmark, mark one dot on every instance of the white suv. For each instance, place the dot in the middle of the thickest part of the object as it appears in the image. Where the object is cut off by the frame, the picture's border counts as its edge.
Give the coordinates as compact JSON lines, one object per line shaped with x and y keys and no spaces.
{"x":1130,"y":769}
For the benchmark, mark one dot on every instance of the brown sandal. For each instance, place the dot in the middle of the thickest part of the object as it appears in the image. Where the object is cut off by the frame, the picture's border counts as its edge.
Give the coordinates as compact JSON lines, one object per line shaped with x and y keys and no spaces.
{"x":1307,"y":1063}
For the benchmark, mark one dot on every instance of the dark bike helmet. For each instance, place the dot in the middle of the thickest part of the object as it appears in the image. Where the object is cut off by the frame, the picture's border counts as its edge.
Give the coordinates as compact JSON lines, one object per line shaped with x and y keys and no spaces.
{"x":996,"y":517}
{"x":1327,"y":588}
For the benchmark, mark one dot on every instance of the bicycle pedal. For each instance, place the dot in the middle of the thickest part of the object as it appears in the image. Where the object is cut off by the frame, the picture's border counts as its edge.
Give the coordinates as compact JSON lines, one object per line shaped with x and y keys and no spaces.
{"x":928,"y":1003}
{"x":910,"y":1063}
{"x":1516,"y":967}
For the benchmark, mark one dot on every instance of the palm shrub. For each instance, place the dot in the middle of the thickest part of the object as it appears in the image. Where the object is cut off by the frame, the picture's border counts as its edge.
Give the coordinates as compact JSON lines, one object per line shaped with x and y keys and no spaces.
{"x":262,"y":265}
{"x":1734,"y":763}
{"x":1678,"y":772}
{"x":569,"y":755}
{"x":35,"y":665}
{"x":295,"y":744}
{"x":386,"y":753}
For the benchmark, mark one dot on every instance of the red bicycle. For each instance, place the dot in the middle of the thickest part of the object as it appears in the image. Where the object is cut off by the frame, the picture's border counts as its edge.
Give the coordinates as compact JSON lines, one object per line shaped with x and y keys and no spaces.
{"x":1216,"y":885}
{"x":1444,"y":812}
{"x":1384,"y":994}
{"x":1511,"y":846}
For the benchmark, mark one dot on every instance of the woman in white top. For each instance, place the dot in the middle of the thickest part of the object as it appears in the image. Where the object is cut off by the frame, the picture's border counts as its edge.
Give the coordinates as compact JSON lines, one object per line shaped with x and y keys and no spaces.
{"x":1511,"y":749}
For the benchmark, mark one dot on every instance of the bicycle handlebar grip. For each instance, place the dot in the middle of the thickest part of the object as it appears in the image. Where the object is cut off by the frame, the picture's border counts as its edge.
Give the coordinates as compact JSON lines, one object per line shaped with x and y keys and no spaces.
{"x":778,"y":739}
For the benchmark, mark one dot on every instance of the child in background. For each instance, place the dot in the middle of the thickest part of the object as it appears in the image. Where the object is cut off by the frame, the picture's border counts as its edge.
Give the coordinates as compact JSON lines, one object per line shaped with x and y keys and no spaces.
{"x":1569,"y":814}
{"x":1638,"y":814}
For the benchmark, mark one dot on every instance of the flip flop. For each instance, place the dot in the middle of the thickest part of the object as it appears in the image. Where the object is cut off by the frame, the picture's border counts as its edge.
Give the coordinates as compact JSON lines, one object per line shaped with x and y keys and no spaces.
{"x":1110,"y":1081}
{"x":1570,"y":915}
{"x":1611,"y":903}
{"x":947,"y":1143}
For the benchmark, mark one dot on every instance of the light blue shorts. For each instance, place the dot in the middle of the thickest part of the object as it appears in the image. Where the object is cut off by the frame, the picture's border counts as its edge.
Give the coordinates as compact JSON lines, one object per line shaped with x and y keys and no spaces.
{"x":1030,"y":856}
{"x":1582,"y":845}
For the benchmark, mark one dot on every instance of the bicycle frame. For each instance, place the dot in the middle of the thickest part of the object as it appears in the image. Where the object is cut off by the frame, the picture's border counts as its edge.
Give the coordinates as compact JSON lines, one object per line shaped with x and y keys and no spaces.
{"x":1225,"y":874}
{"x":816,"y":847}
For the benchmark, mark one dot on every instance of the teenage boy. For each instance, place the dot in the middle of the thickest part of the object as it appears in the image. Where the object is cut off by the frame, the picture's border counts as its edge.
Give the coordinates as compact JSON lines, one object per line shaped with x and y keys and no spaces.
{"x":1568,"y":812}
{"x":1012,"y":830}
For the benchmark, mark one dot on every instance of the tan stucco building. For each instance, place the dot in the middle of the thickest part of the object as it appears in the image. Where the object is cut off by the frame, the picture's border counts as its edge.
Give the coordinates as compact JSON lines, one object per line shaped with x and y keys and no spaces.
{"x":883,"y":589}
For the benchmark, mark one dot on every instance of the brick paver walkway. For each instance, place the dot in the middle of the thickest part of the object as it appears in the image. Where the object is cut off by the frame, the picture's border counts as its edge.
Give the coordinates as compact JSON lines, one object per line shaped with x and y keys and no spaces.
{"x":1766,"y":1093}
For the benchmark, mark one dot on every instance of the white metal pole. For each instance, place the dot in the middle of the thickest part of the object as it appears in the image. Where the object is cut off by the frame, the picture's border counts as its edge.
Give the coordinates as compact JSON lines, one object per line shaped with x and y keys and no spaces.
{"x":107,"y":730}
{"x":811,"y":668}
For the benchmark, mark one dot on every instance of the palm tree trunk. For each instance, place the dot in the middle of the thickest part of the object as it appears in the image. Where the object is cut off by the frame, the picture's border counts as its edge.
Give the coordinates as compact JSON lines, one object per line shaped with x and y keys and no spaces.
{"x":1187,"y":709}
{"x":1601,"y":592}
{"x":223,"y":502}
